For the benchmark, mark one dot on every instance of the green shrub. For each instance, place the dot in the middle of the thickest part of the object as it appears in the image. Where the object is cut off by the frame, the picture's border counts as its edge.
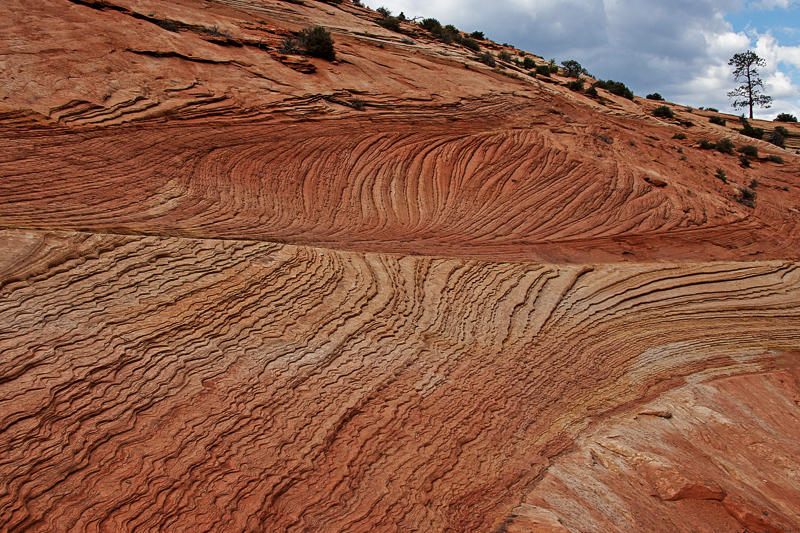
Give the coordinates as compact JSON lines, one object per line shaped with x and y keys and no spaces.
{"x":470,"y":43}
{"x":592,"y":92}
{"x":575,"y":85}
{"x":477,"y":35}
{"x":753,"y":184}
{"x":721,"y":175}
{"x":707,"y":145}
{"x":573,"y":69}
{"x":663,"y":111}
{"x":714,"y":109}
{"x":528,"y":63}
{"x":748,"y":150}
{"x":504,"y":56}
{"x":390,"y":23}
{"x":719,"y":121}
{"x":316,"y":41}
{"x":725,"y":146}
{"x":384,"y":11}
{"x":777,"y":138}
{"x":679,"y":136}
{"x":746,"y":197}
{"x":543,"y":70}
{"x":615,"y":87}
{"x":289,"y":46}
{"x":775,"y":159}
{"x":654,"y":96}
{"x":786,"y":117}
{"x":744,"y":160}
{"x":783,"y":131}
{"x":487,"y":59}
{"x":431,"y":25}
{"x":750,"y":131}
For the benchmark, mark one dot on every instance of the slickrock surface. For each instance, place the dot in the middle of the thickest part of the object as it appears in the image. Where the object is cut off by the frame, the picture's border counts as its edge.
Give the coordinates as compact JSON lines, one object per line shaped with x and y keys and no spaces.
{"x":248,"y":291}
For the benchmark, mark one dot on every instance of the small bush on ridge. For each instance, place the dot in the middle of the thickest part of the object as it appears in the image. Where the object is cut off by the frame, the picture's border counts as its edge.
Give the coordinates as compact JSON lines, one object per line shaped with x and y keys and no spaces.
{"x":786,"y":117}
{"x":719,"y":121}
{"x":575,"y":85}
{"x":663,"y":111}
{"x":707,"y":145}
{"x":654,"y":96}
{"x":748,"y":150}
{"x":316,"y":41}
{"x":487,"y":59}
{"x":725,"y":146}
{"x":615,"y":87}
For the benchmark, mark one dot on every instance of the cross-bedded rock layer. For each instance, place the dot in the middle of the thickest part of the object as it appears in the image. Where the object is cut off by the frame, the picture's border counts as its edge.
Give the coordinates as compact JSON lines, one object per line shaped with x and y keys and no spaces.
{"x":175,"y":384}
{"x":242,"y":290}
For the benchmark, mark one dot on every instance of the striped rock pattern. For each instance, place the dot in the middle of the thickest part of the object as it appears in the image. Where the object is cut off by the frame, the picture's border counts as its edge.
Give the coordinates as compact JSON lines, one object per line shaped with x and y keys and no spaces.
{"x":167,"y":384}
{"x":242,"y":290}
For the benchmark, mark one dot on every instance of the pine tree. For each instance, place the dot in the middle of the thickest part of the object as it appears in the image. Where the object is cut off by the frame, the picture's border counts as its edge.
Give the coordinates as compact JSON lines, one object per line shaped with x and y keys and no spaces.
{"x":749,"y":93}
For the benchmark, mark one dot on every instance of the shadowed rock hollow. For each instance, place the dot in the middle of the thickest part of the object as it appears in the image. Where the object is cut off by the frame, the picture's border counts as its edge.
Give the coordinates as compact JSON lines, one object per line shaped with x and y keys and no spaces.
{"x":242,"y":290}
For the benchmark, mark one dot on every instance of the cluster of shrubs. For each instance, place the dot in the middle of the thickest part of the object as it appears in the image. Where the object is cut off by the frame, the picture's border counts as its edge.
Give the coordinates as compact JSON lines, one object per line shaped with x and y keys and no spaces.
{"x":545,"y":69}
{"x":786,"y":117}
{"x":449,"y":33}
{"x":575,"y":85}
{"x":776,"y":136}
{"x":724,"y":146}
{"x":615,"y":87}
{"x":314,"y":41}
{"x":719,"y":121}
{"x":388,"y":21}
{"x":655,"y":96}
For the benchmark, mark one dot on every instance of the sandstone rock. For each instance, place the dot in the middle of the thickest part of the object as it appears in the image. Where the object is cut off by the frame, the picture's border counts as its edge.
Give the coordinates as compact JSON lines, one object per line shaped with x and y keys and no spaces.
{"x":233,"y":298}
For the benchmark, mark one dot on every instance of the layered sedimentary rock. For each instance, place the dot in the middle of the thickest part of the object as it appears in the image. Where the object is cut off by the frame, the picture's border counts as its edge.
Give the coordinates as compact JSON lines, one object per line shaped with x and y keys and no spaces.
{"x":242,"y":290}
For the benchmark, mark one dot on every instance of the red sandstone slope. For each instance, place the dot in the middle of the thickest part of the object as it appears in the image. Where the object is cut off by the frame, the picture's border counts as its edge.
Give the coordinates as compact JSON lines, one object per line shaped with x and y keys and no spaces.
{"x":233,"y":300}
{"x":227,"y":141}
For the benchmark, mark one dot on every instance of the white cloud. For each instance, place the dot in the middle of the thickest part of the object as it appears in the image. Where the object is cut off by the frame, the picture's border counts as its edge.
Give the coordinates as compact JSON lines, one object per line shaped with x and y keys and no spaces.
{"x":678,"y":48}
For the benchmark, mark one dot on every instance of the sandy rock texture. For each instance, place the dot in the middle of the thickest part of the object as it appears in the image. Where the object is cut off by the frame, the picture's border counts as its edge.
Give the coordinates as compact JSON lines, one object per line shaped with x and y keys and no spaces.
{"x":246,"y":290}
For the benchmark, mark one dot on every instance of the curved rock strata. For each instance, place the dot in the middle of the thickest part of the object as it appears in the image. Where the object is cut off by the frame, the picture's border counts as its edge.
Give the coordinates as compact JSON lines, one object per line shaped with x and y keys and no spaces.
{"x":245,"y":290}
{"x":174,"y":384}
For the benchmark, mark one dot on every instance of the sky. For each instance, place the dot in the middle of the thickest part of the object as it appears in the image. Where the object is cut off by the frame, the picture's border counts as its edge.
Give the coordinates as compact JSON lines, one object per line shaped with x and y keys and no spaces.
{"x":677,"y":48}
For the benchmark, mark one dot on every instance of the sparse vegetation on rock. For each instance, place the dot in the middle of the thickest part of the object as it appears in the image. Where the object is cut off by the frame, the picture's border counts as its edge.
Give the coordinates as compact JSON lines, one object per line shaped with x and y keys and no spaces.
{"x":725,"y":146}
{"x":316,"y":41}
{"x":663,"y":111}
{"x":487,"y":59}
{"x":573,"y":69}
{"x":615,"y":87}
{"x":749,"y":131}
{"x":748,"y":150}
{"x":575,"y":85}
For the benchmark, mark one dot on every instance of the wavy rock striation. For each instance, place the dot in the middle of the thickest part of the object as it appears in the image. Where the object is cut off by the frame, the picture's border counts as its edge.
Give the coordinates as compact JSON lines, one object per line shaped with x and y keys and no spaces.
{"x":174,"y":384}
{"x":246,"y":290}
